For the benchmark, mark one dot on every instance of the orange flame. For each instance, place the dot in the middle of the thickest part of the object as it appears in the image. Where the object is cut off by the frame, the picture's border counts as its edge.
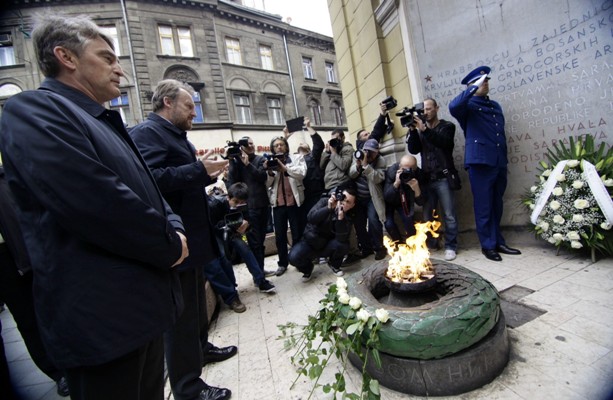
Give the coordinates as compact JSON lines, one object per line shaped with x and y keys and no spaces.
{"x":411,"y":261}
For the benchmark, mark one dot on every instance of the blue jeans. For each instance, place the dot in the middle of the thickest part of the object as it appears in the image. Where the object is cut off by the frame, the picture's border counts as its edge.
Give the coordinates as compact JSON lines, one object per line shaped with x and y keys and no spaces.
{"x":408,"y":222}
{"x":439,"y":192}
{"x":282,"y":215}
{"x":373,"y":237}
{"x":220,"y":274}
{"x":248,"y":258}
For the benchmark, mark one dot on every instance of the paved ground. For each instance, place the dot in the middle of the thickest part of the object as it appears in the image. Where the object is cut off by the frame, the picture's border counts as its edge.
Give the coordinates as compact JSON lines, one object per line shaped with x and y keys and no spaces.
{"x":566,"y":353}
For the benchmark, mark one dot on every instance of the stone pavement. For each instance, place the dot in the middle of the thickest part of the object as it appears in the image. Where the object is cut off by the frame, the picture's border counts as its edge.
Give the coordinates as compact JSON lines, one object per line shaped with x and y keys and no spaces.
{"x":565,"y":353}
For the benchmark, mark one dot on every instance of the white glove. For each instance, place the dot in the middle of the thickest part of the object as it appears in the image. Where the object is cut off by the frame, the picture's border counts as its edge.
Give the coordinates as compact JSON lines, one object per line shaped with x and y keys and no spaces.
{"x":480,"y":81}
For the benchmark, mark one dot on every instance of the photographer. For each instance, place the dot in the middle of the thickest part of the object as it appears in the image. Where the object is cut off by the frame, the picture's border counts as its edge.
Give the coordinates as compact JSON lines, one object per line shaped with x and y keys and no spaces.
{"x":382,"y":126}
{"x":230,"y":217}
{"x":368,"y":172}
{"x":326,"y":234}
{"x":434,"y":140}
{"x":403,"y":189}
{"x":285,"y":176}
{"x":249,"y":169}
{"x":314,"y":186}
{"x":336,"y":160}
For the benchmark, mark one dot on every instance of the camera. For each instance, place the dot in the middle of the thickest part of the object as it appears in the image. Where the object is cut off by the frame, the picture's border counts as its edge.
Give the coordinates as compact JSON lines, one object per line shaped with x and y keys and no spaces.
{"x":359,"y":154}
{"x":232,"y":221}
{"x":244,"y":142}
{"x":273,"y":159}
{"x":407,"y":115}
{"x":407,"y":174}
{"x":336,"y":143}
{"x":389,"y":102}
{"x":233,"y":150}
{"x":339,"y":195}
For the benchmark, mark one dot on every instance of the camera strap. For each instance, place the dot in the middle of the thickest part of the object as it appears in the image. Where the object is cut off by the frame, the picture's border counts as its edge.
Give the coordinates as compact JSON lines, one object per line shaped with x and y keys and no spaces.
{"x":405,"y":204}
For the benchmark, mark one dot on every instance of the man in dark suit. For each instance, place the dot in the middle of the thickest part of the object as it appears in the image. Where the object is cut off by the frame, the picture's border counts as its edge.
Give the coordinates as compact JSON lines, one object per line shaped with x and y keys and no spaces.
{"x":485,"y":158}
{"x":101,"y":238}
{"x":162,"y":140}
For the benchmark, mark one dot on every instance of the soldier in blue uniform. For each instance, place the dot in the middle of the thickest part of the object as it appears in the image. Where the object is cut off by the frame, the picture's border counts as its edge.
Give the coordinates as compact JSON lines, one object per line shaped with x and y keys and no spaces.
{"x":485,"y":158}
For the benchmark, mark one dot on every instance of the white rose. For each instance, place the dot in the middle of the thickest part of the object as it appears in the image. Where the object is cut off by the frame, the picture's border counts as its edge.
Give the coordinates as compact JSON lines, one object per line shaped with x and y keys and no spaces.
{"x":558,"y":191}
{"x":577,"y":218}
{"x":546,"y":173}
{"x":561,"y":178}
{"x":544,"y":226}
{"x":554,"y":205}
{"x":572,"y":163}
{"x":575,"y":245}
{"x":573,"y":235}
{"x":341,"y":291}
{"x":558,"y":219}
{"x":578,"y":184}
{"x":606,"y":226}
{"x":344,"y":298}
{"x":551,"y":240}
{"x":608,"y":182}
{"x":532,"y":206}
{"x":533,"y":189}
{"x":580,"y":204}
{"x":363,"y":315}
{"x":340,"y":283}
{"x":382,"y":315}
{"x":355,"y":303}
{"x":558,"y":237}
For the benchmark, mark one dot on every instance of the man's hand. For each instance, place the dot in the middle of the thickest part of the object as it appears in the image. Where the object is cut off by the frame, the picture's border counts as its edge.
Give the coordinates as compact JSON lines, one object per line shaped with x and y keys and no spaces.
{"x":414,"y":184}
{"x":480,"y":81}
{"x":286,"y":133}
{"x":244,"y":158}
{"x":211,"y":164}
{"x":419,"y":124}
{"x":383,"y":108}
{"x":184,"y":250}
{"x":332,"y":202}
{"x":243,"y":228}
{"x":398,"y":182}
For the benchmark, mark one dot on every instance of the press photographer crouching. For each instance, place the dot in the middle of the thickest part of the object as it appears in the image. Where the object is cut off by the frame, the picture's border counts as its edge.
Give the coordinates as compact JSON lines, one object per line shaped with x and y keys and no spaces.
{"x":326,"y":234}
{"x":403,"y":189}
{"x":230,"y":217}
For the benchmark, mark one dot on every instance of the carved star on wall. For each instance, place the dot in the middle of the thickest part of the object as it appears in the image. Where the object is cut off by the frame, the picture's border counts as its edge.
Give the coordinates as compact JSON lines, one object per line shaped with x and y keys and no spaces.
{"x":428,"y":78}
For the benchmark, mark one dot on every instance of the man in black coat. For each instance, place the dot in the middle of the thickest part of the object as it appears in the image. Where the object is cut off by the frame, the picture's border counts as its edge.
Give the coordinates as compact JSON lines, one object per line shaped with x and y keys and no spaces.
{"x":402,"y":190}
{"x":101,"y":238}
{"x":162,"y":140}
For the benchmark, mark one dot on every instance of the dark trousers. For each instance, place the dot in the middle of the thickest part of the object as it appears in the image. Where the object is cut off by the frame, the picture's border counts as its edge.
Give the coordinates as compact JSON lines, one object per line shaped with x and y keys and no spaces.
{"x":16,"y":292}
{"x":282,"y":215}
{"x":220,"y":274}
{"x":6,"y":387}
{"x":138,"y":375}
{"x":302,"y":253}
{"x":370,"y":238}
{"x":182,"y":341}
{"x":256,"y":235}
{"x":488,"y":185}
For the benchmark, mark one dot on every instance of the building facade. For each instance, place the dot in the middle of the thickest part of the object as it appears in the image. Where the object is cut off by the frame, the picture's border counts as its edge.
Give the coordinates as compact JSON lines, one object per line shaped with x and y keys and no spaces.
{"x":250,"y":70}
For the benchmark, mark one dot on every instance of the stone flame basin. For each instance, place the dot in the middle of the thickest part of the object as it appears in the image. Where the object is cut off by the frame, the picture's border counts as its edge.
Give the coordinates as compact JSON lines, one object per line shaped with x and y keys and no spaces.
{"x":450,"y":340}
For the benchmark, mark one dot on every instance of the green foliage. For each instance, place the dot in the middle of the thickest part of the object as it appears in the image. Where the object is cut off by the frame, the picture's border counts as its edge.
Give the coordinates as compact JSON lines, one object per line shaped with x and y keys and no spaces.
{"x":561,"y":222}
{"x":339,"y":328}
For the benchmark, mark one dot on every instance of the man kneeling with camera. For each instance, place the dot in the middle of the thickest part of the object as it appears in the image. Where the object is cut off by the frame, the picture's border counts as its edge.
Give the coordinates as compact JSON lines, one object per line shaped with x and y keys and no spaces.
{"x":326,"y":234}
{"x":403,"y":189}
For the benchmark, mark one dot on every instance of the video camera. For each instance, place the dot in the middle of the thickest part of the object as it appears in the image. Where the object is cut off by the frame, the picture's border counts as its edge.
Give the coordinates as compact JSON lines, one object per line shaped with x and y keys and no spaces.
{"x":407,"y":174}
{"x":273,"y":159}
{"x":232,"y":221}
{"x":390,"y":102}
{"x":407,"y":115}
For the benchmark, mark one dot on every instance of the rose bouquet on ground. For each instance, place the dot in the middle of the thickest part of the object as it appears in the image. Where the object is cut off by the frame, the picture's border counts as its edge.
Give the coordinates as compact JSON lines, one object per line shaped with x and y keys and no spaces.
{"x":340,"y":327}
{"x":571,"y":203}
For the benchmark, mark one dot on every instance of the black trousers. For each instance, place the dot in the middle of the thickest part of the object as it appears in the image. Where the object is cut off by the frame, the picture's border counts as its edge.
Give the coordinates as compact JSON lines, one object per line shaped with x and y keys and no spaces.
{"x":182,"y":341}
{"x":6,"y":387}
{"x":139,"y":375}
{"x":16,"y":292}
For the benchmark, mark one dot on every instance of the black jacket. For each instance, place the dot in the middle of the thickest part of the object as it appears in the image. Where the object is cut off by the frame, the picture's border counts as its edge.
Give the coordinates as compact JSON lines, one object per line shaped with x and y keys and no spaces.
{"x":324,"y":226}
{"x":254,"y":176}
{"x":392,"y":195}
{"x":182,"y":179}
{"x":99,"y":234}
{"x":314,"y":180}
{"x":10,"y":229}
{"x":427,"y":143}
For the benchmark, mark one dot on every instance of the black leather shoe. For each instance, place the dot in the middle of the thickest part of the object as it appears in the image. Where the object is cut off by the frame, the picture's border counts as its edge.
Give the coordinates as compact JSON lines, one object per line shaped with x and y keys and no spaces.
{"x":214,"y":393}
{"x":491,"y":255}
{"x":62,"y":387}
{"x":504,"y":249}
{"x":217,"y":354}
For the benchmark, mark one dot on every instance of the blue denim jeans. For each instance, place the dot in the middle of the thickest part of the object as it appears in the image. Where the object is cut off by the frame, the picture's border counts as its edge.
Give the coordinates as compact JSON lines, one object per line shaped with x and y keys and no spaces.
{"x":220,"y":274}
{"x":248,"y":258}
{"x":372,"y":238}
{"x":439,"y":192}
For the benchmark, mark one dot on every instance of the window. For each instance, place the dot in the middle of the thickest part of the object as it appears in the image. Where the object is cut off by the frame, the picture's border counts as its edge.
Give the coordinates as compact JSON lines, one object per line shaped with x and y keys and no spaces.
{"x":198,"y":109}
{"x":7,"y":53}
{"x":337,"y":111}
{"x":266,"y":57}
{"x":330,"y":74}
{"x":183,"y":42}
{"x":315,"y":112}
{"x":111,"y":32}
{"x":242,"y":108}
{"x":275,"y":115}
{"x":233,"y":51}
{"x":307,"y":67}
{"x":122,"y":105}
